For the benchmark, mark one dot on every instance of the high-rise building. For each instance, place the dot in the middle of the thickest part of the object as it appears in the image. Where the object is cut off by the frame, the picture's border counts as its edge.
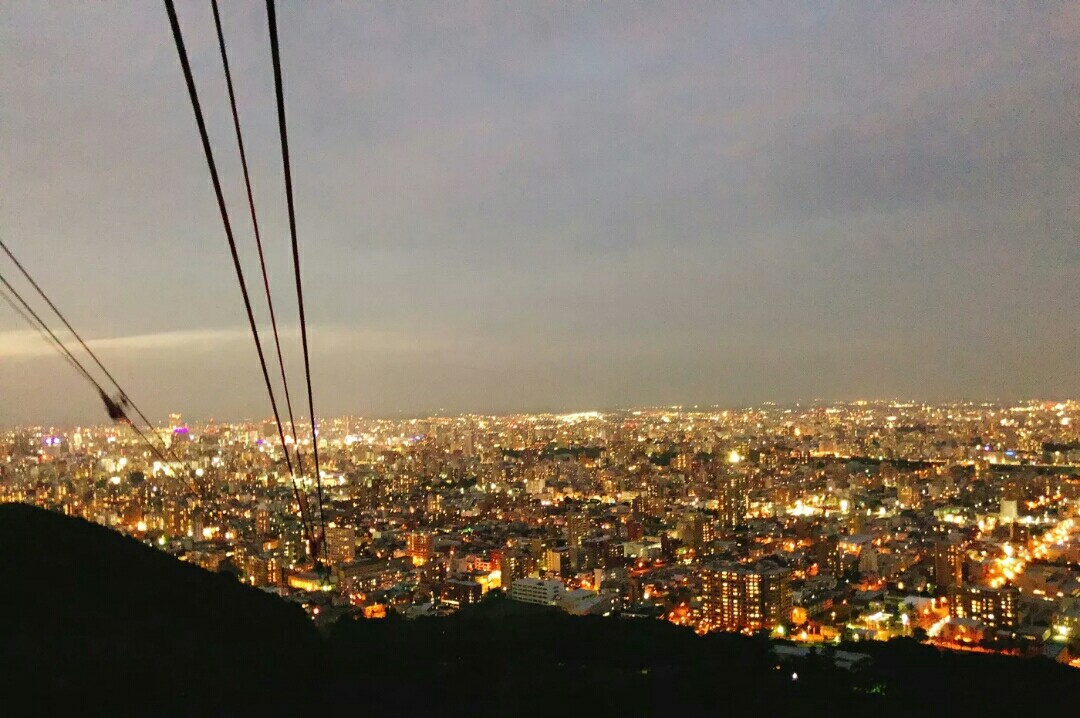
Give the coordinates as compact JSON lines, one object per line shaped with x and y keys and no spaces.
{"x":262,"y":521}
{"x":557,"y":560}
{"x":274,"y":571}
{"x":512,"y":565}
{"x":340,"y":544}
{"x":293,"y":546}
{"x":683,"y":461}
{"x":418,"y":545}
{"x":578,"y":527}
{"x":614,"y":554}
{"x":696,"y":531}
{"x":995,"y":607}
{"x":461,"y":593}
{"x":948,"y":562}
{"x":829,"y":555}
{"x":256,"y":569}
{"x":731,"y":500}
{"x":176,"y":517}
{"x":737,"y":596}
{"x":907,"y":491}
{"x":868,"y":560}
{"x":536,"y":590}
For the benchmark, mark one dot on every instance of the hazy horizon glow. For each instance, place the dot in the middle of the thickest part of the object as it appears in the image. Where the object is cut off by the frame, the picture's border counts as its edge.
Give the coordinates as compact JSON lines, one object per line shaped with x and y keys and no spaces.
{"x":555,"y":206}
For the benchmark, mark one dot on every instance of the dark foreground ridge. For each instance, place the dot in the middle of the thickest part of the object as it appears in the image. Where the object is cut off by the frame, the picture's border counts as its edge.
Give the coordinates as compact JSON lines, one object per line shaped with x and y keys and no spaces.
{"x":95,"y":623}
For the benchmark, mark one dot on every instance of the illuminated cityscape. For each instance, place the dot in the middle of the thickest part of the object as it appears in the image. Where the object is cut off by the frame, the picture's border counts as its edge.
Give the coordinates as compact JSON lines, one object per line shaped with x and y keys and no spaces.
{"x":673,"y":358}
{"x":956,"y":524}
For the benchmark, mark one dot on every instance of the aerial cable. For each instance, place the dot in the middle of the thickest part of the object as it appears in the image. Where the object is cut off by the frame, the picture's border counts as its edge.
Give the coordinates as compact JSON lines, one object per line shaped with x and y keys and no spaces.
{"x":276,"y":55}
{"x":75,"y":334}
{"x":255,"y":225}
{"x":197,"y":109}
{"x":41,"y":332}
{"x":115,"y":407}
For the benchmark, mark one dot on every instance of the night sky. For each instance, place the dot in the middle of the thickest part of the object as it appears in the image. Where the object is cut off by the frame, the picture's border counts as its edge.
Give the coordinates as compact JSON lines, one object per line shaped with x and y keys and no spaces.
{"x":511,"y":206}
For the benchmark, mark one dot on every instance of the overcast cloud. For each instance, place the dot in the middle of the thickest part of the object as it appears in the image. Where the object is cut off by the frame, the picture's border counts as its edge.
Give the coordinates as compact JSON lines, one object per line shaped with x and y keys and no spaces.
{"x":511,"y":206}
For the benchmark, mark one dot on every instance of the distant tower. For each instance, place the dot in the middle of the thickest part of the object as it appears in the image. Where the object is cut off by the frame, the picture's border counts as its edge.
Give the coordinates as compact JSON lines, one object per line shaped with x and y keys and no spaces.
{"x":948,"y":556}
{"x":577,"y":528}
{"x":262,"y":521}
{"x":731,"y":500}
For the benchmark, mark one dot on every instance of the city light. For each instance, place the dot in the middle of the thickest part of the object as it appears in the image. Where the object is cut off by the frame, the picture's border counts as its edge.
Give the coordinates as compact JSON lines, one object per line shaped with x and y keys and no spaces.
{"x":635,"y":513}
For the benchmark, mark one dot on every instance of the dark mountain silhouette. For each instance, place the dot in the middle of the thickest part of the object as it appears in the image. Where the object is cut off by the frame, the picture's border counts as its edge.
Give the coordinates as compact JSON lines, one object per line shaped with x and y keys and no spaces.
{"x":98,"y":624}
{"x":499,"y":655}
{"x":94,"y":621}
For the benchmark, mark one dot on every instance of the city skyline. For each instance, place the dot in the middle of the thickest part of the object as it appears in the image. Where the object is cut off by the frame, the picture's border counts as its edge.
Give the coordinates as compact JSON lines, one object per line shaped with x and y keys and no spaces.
{"x":168,"y":418}
{"x":821,"y":526}
{"x":558,"y":207}
{"x":484,"y":358}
